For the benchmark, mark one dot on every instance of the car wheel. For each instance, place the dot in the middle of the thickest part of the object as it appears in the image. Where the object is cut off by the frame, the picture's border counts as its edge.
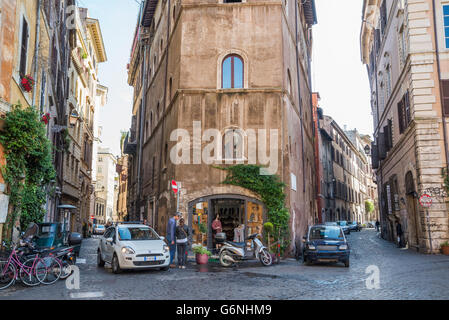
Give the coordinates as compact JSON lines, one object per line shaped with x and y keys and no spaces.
{"x":100,"y":261}
{"x":347,"y":263}
{"x":116,"y":264}
{"x":165,"y":268}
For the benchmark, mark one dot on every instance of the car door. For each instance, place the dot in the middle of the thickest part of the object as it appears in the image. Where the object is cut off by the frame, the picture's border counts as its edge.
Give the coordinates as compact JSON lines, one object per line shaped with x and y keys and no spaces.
{"x":103,"y":247}
{"x":109,"y":245}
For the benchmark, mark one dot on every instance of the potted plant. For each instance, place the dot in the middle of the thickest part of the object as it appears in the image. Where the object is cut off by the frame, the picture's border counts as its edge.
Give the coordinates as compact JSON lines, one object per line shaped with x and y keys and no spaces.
{"x":269,"y":229}
{"x":201,"y":254}
{"x":445,"y":248}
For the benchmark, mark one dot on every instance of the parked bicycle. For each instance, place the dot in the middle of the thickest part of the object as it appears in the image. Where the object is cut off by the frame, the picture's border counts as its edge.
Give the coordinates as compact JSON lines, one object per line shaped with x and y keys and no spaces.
{"x":31,"y":271}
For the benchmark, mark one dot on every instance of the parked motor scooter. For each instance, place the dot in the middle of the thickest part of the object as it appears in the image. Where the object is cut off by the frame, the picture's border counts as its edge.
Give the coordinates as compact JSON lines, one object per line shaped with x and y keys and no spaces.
{"x":233,"y":252}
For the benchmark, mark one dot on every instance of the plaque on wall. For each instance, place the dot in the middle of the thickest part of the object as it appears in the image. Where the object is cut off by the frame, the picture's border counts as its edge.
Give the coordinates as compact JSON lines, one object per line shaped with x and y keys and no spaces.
{"x":4,"y":202}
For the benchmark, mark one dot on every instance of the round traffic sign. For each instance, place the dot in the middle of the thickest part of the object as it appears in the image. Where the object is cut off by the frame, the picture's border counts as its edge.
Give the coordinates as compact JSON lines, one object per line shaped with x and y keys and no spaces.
{"x":425,"y":201}
{"x":174,"y":186}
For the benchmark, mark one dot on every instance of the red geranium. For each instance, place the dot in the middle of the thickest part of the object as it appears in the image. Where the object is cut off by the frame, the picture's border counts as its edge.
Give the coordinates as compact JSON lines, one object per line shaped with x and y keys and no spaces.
{"x":46,"y":118}
{"x":27,"y":83}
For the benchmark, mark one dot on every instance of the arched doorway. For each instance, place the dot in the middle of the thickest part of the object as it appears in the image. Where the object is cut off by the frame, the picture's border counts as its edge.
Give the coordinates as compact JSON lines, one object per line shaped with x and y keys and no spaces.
{"x":412,"y":211}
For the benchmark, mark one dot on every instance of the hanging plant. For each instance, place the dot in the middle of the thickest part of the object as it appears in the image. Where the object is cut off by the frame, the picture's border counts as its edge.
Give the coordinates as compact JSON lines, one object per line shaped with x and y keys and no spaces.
{"x":66,"y":139}
{"x":27,"y":83}
{"x":84,"y":55}
{"x":29,"y":165}
{"x":270,"y":190}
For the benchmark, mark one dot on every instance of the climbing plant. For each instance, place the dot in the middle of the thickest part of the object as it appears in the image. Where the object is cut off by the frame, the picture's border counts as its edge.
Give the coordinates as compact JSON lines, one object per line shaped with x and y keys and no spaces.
{"x":270,"y":190}
{"x":29,"y":166}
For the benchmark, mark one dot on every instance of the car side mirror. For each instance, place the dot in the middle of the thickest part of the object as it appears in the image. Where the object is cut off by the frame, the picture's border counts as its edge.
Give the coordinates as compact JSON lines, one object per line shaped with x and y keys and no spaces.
{"x":304,"y":239}
{"x":162,"y":238}
{"x":109,"y":240}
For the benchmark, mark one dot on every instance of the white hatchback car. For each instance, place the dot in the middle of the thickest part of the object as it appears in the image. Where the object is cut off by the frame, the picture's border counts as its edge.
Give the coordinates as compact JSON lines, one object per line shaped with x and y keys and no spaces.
{"x":133,"y":246}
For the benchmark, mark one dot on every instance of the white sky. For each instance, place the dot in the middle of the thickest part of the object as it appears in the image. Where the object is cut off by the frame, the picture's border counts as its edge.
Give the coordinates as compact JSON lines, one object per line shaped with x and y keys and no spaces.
{"x":338,"y":73}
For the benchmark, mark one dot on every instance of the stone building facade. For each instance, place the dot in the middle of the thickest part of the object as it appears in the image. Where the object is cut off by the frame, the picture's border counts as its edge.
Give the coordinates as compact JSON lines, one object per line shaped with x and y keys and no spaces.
{"x":234,"y":66}
{"x":105,"y":184}
{"x":404,"y":45}
{"x":343,"y":182}
{"x":86,"y":53}
{"x":34,"y":42}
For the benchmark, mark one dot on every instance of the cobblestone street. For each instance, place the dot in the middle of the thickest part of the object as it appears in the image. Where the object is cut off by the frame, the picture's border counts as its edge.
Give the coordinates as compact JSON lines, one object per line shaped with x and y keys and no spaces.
{"x":404,"y":274}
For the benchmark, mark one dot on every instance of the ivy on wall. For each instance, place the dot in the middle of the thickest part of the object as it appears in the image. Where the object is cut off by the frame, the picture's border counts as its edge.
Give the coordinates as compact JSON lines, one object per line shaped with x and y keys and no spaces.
{"x":270,"y":190}
{"x":29,"y":166}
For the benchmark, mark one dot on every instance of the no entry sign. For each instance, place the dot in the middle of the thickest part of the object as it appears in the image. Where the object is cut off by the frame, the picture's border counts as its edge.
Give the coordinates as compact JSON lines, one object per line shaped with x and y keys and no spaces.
{"x":174,"y":186}
{"x":425,"y":201}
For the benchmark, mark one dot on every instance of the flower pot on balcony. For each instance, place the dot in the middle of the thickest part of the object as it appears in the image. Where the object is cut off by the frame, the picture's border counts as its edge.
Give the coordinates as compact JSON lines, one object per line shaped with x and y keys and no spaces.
{"x":202,"y":258}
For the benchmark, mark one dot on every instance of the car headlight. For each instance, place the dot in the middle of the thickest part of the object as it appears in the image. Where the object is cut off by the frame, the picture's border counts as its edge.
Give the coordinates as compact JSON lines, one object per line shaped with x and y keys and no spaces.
{"x":311,"y":247}
{"x":343,"y":247}
{"x":128,"y":250}
{"x":166,"y":248}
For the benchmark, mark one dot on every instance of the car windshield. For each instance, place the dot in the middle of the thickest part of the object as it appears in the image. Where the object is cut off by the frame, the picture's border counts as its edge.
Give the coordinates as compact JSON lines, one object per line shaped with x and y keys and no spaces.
{"x":137,"y":233}
{"x":100,"y":227}
{"x":326,"y":233}
{"x":342,"y":223}
{"x":331,"y":224}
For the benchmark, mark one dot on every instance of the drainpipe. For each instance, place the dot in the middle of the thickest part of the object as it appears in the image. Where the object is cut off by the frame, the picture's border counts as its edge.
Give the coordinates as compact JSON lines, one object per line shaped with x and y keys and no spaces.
{"x":36,"y":49}
{"x":299,"y":99}
{"x":161,"y":154}
{"x":439,"y":81}
{"x":142,"y":112}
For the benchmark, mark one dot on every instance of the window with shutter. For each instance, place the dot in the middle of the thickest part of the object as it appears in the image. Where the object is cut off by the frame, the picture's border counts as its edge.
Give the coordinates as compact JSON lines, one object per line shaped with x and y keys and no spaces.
{"x":381,"y":145}
{"x":387,"y":138}
{"x":407,"y":114}
{"x":401,"y":117}
{"x":390,"y":134}
{"x":445,"y":89}
{"x":24,"y":48}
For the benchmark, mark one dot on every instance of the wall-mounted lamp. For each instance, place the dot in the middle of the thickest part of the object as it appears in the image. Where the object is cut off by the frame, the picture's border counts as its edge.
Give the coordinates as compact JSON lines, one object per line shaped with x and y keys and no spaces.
{"x":73,"y":118}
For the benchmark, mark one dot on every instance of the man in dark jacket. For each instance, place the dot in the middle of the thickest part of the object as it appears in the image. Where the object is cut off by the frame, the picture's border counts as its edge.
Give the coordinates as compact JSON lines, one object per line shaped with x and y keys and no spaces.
{"x":377,"y":225}
{"x":171,"y":236}
{"x":399,"y":233}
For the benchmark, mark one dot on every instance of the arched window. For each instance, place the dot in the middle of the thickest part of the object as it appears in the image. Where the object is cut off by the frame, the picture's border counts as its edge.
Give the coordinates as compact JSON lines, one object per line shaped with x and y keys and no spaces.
{"x":157,"y":112}
{"x":232,"y":72}
{"x":289,"y":84}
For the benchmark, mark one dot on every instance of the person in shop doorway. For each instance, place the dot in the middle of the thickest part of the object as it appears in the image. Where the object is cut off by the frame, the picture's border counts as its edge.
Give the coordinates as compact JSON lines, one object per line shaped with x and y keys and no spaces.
{"x":217,"y":228}
{"x":182,"y":238}
{"x":399,"y":233}
{"x":377,"y":225}
{"x":171,"y":236}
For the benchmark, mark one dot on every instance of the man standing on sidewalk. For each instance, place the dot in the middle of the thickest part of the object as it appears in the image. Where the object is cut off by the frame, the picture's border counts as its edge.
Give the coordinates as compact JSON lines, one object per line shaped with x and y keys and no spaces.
{"x":399,"y":233}
{"x":171,"y":236}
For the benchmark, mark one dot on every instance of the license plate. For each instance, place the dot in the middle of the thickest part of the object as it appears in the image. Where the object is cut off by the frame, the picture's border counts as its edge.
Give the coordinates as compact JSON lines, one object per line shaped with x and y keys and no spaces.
{"x":149,"y":258}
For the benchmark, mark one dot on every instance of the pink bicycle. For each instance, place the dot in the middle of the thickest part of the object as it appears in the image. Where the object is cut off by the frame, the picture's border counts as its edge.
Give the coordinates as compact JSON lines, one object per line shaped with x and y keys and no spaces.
{"x":31,"y":271}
